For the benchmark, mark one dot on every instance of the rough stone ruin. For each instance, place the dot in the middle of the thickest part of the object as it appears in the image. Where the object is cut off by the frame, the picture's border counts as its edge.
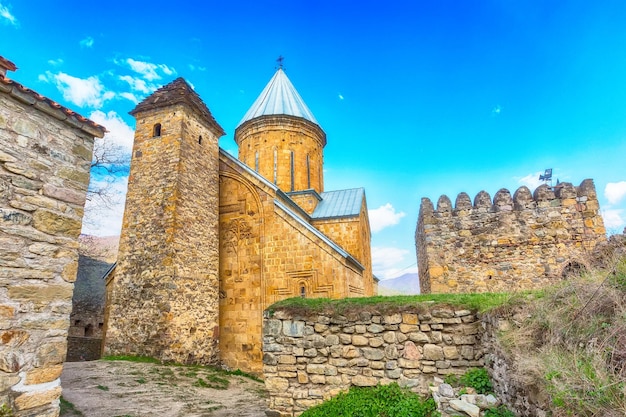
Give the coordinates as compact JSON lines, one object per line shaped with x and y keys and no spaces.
{"x":45,"y":157}
{"x":510,"y":243}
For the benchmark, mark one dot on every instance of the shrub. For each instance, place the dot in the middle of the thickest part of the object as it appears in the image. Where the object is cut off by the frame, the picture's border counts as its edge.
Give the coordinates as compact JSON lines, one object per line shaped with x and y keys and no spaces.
{"x":5,"y":411}
{"x":380,"y":401}
{"x":501,"y":411}
{"x":477,"y":378}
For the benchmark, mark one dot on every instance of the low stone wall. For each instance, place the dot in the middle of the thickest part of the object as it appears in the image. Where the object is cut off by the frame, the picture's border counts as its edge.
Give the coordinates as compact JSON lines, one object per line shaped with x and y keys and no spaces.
{"x":308,"y":359}
{"x":83,"y":349}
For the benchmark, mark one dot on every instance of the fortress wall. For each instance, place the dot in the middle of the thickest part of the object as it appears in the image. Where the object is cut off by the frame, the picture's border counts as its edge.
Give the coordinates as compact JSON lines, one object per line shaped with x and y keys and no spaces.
{"x":510,"y":243}
{"x":45,"y":157}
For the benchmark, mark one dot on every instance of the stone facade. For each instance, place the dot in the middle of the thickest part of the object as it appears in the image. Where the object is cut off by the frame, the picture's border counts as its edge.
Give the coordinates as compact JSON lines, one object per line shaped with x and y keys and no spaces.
{"x":45,"y":156}
{"x":311,"y":358}
{"x":208,"y":242}
{"x":511,"y":243}
{"x":162,"y":298}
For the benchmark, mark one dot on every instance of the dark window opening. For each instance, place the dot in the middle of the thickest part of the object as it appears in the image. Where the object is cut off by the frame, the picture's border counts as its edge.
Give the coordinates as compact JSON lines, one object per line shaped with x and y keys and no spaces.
{"x":76,"y":322}
{"x":156,"y":130}
{"x":573,"y":269}
{"x":292,"y":173}
{"x":89,"y":330}
{"x":308,"y":172}
{"x":200,"y":139}
{"x":302,"y":291}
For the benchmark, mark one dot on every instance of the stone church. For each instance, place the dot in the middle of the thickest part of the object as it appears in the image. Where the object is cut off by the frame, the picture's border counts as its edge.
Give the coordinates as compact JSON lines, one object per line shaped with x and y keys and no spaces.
{"x":209,"y":241}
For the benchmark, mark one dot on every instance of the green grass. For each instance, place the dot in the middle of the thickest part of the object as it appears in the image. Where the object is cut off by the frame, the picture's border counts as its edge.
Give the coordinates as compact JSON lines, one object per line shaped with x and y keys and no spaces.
{"x":387,"y":305}
{"x":67,"y":408}
{"x":380,"y":401}
{"x":5,"y":411}
{"x":572,"y":344}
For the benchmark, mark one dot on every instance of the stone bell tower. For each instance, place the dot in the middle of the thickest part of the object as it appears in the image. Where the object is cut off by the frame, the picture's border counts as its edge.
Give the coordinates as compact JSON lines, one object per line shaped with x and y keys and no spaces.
{"x":281,"y":140}
{"x":162,"y":297}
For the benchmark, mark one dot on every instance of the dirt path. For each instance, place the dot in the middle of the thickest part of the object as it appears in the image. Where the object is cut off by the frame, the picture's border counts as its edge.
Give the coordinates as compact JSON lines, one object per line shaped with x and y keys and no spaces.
{"x":130,"y":389}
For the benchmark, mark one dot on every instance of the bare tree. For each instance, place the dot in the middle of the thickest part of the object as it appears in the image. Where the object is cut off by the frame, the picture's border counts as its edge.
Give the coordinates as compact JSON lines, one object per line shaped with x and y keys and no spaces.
{"x":109,"y":166}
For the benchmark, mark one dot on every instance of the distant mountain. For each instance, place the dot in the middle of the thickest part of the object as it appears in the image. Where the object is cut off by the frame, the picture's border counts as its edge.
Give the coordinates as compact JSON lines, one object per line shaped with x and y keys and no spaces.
{"x":405,"y":284}
{"x":103,"y":248}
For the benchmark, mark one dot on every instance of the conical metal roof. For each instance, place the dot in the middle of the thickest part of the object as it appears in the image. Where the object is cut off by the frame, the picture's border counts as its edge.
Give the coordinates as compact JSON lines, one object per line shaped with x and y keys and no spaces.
{"x":279,"y":97}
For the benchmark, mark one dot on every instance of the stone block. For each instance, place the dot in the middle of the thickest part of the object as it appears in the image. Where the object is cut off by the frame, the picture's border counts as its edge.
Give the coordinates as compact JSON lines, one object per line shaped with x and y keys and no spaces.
{"x":419,"y":337}
{"x":409,"y":318}
{"x":35,"y":399}
{"x":293,"y":328}
{"x":276,"y":384}
{"x":408,"y":363}
{"x":364,"y":381}
{"x":358,"y":340}
{"x":433,"y":352}
{"x":376,"y":342}
{"x":375,"y":328}
{"x":389,"y":337}
{"x":373,"y":354}
{"x":56,"y":224}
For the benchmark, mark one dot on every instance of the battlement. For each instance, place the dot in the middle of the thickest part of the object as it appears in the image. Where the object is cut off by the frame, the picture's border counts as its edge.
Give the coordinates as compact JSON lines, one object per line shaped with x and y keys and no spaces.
{"x":510,"y":242}
{"x":544,"y":196}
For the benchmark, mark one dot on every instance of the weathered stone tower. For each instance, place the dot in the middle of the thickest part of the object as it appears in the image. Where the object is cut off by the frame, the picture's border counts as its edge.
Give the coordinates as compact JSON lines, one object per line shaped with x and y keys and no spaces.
{"x":163,"y":295}
{"x":280,"y":139}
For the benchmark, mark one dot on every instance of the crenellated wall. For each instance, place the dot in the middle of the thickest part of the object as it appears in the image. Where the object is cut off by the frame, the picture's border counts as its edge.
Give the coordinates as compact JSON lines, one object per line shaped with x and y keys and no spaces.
{"x":510,"y":243}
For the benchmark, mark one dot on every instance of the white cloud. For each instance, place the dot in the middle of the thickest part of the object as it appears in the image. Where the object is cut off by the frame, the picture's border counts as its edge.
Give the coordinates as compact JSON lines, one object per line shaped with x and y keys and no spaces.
{"x":138,"y":84}
{"x":118,"y":132}
{"x":389,"y":262}
{"x":384,"y":216}
{"x":340,"y":96}
{"x":615,"y":191}
{"x":613,"y":219}
{"x":103,"y":220}
{"x":55,"y":62}
{"x":87,"y":42}
{"x":80,"y":91}
{"x":496,"y":110}
{"x":195,"y":68}
{"x":6,"y":16}
{"x":531,"y":180}
{"x":148,"y":70}
{"x":130,"y":96}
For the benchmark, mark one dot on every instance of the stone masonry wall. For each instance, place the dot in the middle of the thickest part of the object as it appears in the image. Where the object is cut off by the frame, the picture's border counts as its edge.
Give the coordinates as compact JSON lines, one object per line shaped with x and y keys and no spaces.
{"x":45,"y":155}
{"x":311,"y":358}
{"x":162,"y":298}
{"x":513,"y":243}
{"x":267,"y":255}
{"x":268,"y":142}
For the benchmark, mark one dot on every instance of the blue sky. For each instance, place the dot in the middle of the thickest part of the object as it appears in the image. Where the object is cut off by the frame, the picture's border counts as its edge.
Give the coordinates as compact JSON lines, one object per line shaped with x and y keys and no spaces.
{"x":417,"y":98}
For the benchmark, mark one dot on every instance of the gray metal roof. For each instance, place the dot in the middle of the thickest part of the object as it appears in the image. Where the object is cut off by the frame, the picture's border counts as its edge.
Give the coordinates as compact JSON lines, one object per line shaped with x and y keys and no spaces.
{"x":279,"y":97}
{"x":340,"y":203}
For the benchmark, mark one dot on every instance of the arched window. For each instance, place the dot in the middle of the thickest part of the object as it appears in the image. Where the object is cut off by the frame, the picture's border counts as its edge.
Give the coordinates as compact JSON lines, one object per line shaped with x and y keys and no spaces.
{"x":302,"y":290}
{"x":156,"y":130}
{"x":256,"y":161}
{"x":200,"y":139}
